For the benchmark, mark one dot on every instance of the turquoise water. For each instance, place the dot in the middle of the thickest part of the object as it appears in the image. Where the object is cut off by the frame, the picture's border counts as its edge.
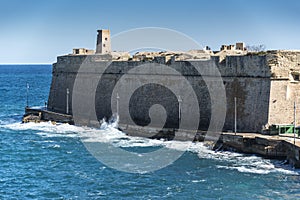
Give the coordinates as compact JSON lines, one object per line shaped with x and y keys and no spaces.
{"x":45,"y":161}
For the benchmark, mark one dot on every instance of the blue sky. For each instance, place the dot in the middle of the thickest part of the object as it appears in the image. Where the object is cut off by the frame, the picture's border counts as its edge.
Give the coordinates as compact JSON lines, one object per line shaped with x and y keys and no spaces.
{"x":35,"y":31}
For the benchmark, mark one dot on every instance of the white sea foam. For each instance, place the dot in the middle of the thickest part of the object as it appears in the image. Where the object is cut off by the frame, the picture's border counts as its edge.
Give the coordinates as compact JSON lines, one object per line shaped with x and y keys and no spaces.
{"x":43,"y":126}
{"x":246,"y":169}
{"x":7,"y":121}
{"x":198,"y":181}
{"x":109,"y":134}
{"x":240,"y":162}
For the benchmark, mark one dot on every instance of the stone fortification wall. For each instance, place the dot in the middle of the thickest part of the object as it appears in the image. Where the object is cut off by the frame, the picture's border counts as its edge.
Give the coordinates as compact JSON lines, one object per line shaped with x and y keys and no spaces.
{"x":245,"y":77}
{"x":285,"y":86}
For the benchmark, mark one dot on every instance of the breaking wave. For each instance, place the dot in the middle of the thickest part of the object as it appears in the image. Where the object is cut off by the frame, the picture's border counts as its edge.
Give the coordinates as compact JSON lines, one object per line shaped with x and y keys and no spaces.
{"x":108,"y":133}
{"x":242,"y":162}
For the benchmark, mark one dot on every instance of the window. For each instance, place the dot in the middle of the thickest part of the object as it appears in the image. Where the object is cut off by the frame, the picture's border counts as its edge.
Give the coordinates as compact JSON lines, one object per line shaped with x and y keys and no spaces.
{"x":296,"y":76}
{"x":103,"y":45}
{"x":105,"y":39}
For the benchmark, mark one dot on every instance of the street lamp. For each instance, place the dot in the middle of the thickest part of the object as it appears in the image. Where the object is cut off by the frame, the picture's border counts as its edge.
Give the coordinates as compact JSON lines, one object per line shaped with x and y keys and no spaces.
{"x":235,"y":116}
{"x":67,"y":106}
{"x":118,"y":97}
{"x":27,"y":92}
{"x":179,"y":108}
{"x":294,"y":123}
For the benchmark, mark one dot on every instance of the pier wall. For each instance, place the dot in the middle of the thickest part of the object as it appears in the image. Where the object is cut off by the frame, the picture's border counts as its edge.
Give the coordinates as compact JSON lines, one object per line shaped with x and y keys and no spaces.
{"x":277,"y":147}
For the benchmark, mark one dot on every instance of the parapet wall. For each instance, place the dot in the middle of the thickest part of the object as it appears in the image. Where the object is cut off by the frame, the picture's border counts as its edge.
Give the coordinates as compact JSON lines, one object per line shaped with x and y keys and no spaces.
{"x":246,"y":77}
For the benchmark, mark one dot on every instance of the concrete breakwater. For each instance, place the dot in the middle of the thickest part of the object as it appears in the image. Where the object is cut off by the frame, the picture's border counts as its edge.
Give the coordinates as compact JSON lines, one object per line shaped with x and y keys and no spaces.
{"x":276,"y":147}
{"x":38,"y":115}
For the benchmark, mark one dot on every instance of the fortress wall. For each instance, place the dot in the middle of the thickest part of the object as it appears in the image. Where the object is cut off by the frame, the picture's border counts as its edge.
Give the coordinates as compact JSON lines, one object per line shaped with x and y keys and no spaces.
{"x":245,"y":66}
{"x":285,"y":87}
{"x":244,"y":77}
{"x":248,"y":79}
{"x":252,"y":103}
{"x":283,"y":95}
{"x":63,"y":76}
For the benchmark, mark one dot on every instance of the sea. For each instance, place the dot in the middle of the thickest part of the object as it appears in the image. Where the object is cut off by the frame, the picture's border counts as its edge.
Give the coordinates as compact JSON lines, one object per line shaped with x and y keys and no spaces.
{"x":51,"y":161}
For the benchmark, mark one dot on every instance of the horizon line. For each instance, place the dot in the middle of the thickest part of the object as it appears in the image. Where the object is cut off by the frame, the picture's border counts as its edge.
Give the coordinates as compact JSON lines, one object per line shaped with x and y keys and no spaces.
{"x":25,"y":63}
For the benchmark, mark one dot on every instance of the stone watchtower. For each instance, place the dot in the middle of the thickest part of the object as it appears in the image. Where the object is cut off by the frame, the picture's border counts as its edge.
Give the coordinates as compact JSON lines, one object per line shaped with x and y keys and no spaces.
{"x":103,"y":42}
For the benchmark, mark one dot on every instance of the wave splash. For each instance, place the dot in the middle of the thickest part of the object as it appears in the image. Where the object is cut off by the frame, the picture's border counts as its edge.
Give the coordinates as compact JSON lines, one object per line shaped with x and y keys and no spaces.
{"x":108,"y":133}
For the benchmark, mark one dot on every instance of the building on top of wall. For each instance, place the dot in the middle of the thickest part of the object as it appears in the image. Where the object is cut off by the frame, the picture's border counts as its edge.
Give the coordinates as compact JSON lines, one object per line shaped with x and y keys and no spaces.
{"x":82,"y":51}
{"x":238,"y":46}
{"x":227,"y":47}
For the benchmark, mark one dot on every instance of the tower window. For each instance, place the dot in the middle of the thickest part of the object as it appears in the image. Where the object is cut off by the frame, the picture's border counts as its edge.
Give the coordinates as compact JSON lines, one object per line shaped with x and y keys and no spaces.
{"x":105,"y":39}
{"x":103,"y":45}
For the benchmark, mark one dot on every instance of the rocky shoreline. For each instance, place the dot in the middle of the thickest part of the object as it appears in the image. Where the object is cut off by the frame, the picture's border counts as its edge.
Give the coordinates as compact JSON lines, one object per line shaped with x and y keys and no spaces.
{"x":276,"y":147}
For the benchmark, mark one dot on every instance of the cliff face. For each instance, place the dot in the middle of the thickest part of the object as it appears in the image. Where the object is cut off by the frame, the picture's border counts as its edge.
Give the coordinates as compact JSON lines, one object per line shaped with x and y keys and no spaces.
{"x":248,"y":78}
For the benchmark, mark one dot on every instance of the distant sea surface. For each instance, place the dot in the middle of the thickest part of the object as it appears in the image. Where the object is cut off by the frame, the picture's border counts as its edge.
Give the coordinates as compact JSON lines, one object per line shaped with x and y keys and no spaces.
{"x":45,"y":161}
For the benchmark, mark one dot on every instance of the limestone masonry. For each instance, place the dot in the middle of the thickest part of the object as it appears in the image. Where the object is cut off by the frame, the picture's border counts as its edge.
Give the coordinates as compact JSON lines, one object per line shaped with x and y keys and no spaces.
{"x":266,"y":84}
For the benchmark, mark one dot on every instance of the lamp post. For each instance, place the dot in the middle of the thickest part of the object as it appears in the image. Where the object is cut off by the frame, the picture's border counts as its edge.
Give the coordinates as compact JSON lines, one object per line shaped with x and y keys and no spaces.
{"x":235,"y":115}
{"x":67,"y":106}
{"x":179,"y":108}
{"x":294,"y":123}
{"x":27,"y":92}
{"x":118,"y":97}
